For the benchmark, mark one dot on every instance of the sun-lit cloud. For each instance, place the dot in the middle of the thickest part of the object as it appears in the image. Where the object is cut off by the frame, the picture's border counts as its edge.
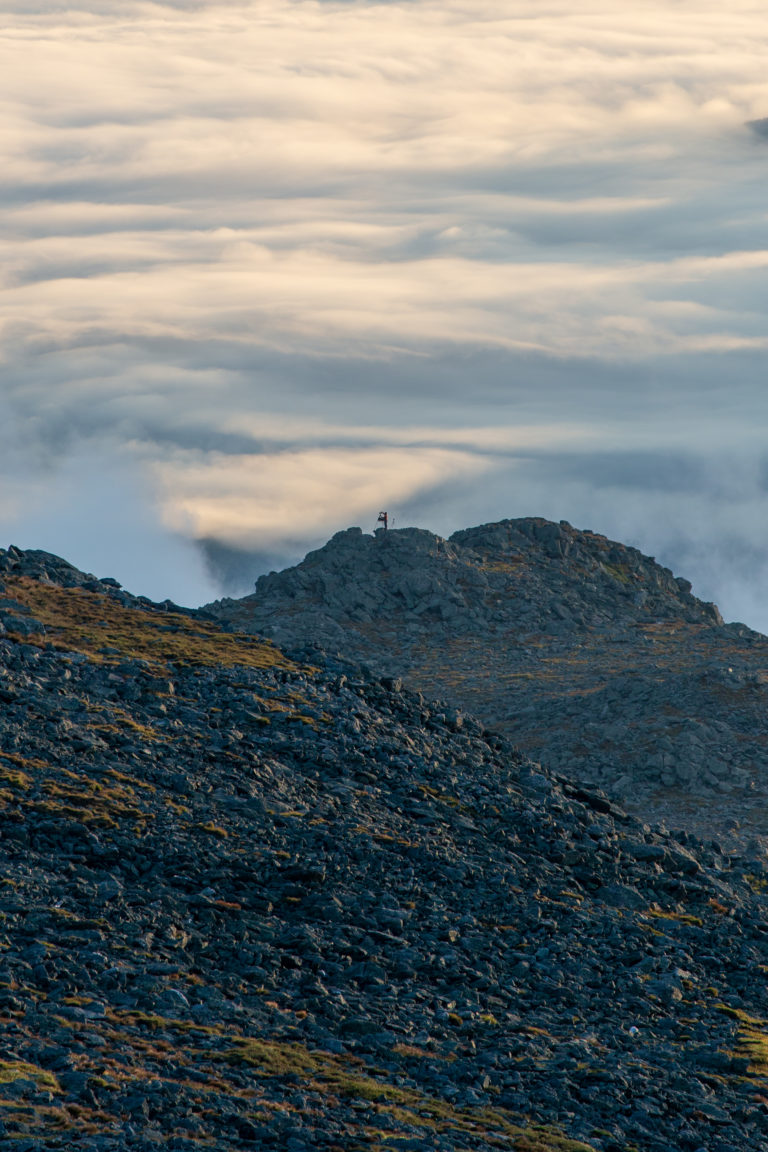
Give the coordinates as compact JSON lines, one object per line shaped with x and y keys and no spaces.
{"x":255,"y":501}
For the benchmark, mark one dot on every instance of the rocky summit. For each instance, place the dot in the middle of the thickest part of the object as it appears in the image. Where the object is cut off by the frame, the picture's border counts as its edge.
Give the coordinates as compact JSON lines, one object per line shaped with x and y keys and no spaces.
{"x":248,"y":901}
{"x":594,"y":659}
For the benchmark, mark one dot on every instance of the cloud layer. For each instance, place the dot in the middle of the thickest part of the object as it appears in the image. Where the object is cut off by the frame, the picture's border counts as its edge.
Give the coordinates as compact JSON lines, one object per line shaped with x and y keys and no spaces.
{"x":268,"y":267}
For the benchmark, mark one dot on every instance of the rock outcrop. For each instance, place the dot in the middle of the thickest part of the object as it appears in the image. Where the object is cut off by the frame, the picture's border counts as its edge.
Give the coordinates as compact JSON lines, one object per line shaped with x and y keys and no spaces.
{"x":591,"y":656}
{"x":530,"y":575}
{"x":250,"y":902}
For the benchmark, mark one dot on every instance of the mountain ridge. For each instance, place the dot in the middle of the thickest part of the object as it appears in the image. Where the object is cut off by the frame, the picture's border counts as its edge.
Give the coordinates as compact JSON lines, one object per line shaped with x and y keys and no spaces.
{"x":248,"y":901}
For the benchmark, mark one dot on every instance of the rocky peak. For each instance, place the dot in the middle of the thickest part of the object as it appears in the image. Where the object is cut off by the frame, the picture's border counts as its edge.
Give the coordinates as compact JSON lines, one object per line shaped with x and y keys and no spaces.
{"x":527,"y":572}
{"x":592,"y":656}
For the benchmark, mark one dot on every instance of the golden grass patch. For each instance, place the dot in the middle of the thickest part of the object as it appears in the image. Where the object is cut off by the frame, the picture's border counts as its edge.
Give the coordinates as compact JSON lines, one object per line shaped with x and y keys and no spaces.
{"x":11,"y":1071}
{"x":81,"y":621}
{"x":340,"y":1076}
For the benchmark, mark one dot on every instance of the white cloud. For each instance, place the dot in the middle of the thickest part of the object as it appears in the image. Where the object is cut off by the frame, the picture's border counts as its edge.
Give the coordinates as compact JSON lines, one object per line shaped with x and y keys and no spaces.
{"x":368,"y":118}
{"x":289,"y":254}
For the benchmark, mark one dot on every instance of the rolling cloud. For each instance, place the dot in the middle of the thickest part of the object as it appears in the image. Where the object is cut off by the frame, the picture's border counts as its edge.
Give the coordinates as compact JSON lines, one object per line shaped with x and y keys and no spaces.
{"x":268,"y":267}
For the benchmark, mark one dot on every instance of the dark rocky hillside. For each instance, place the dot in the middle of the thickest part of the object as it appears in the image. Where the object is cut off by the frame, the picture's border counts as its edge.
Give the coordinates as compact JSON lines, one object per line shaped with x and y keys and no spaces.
{"x":593,"y":658}
{"x":247,"y":902}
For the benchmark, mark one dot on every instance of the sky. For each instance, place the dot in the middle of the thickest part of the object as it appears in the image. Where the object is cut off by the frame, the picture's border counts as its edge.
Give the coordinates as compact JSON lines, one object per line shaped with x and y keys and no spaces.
{"x":268,"y":268}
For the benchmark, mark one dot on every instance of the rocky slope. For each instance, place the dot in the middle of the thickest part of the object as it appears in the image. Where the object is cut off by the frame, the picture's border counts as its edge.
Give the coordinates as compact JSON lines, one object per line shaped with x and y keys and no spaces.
{"x":591,"y":656}
{"x":247,"y":902}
